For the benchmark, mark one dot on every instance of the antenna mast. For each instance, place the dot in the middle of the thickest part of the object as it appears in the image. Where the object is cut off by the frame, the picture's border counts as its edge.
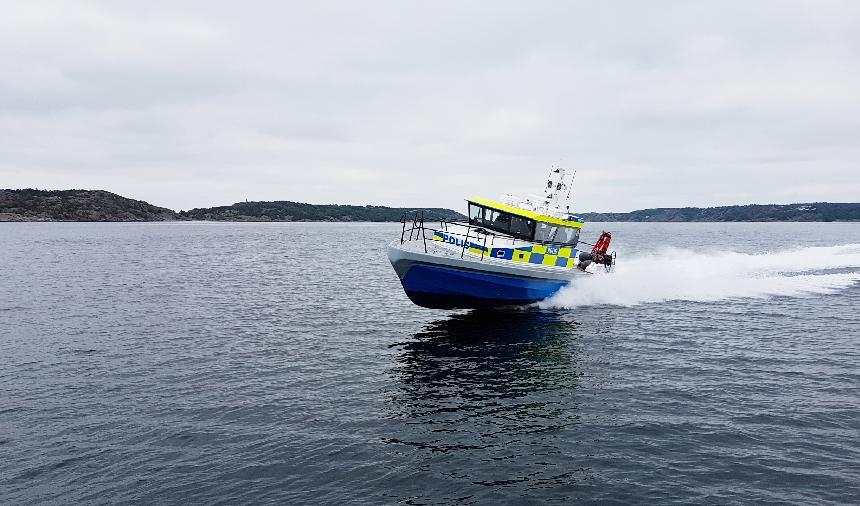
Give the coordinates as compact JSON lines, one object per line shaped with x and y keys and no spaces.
{"x":559,"y":185}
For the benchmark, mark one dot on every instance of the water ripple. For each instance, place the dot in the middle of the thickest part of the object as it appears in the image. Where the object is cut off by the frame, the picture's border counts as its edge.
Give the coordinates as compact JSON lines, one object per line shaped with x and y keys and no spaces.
{"x":244,"y":363}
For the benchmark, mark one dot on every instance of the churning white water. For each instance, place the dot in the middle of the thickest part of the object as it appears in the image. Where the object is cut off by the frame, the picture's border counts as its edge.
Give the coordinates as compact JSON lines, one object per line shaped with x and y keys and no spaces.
{"x":677,"y":274}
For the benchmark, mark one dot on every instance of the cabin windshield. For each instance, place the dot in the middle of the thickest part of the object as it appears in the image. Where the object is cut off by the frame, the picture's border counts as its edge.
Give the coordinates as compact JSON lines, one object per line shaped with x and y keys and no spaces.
{"x":547,"y":232}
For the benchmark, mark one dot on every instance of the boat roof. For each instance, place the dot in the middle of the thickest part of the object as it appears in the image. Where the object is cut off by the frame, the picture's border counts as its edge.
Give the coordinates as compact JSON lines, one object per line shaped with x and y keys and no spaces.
{"x":574,"y":221}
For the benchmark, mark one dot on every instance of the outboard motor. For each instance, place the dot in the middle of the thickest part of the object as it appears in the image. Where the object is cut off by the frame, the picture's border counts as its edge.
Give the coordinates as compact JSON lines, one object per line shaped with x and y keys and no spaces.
{"x":599,"y":254}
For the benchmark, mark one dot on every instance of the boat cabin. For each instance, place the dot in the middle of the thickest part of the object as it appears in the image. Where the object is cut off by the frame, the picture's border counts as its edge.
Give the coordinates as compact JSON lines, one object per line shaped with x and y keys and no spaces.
{"x":523,"y":224}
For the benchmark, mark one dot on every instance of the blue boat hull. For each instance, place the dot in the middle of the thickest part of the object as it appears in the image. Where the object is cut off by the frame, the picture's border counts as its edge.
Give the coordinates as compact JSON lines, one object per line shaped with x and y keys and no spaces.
{"x":442,"y":287}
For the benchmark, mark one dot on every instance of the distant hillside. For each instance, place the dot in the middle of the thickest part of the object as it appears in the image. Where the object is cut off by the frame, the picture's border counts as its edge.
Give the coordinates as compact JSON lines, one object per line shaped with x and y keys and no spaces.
{"x":817,"y":211}
{"x":99,"y":205}
{"x":76,"y":205}
{"x":295,"y":211}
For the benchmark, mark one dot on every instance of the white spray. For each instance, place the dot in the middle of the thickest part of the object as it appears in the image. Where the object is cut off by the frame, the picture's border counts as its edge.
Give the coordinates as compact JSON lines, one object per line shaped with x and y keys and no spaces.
{"x":674,"y":274}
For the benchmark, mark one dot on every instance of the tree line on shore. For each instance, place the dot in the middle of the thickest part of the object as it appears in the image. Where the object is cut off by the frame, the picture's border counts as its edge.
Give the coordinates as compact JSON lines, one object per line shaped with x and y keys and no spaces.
{"x":99,"y":205}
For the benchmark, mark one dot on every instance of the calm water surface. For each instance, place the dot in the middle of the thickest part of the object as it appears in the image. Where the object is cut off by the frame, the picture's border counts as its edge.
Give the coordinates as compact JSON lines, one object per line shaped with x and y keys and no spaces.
{"x":282,"y":363}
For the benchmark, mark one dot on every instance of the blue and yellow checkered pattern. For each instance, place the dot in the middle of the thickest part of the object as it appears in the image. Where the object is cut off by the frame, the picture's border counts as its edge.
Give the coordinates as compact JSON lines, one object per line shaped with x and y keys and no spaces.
{"x":537,"y":254}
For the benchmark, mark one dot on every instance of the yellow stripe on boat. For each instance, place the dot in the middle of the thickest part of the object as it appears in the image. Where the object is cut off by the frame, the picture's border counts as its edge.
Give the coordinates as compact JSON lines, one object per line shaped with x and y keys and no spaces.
{"x":542,"y":218}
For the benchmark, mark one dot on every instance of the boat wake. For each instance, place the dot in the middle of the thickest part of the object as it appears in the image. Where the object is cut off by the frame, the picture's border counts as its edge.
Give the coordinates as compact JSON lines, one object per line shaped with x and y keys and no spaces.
{"x":677,"y":274}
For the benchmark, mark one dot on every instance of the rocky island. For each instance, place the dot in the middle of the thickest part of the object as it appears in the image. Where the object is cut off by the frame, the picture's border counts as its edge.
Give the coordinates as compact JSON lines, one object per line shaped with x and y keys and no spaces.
{"x":76,"y":205}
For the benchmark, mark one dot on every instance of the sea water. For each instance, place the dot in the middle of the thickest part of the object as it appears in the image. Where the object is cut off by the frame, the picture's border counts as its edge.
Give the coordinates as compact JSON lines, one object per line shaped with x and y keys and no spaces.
{"x":228,"y":363}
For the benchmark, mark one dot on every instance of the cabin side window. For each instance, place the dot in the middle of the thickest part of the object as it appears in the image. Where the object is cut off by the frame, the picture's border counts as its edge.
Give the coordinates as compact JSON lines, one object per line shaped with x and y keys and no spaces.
{"x":522,"y":228}
{"x":497,"y":220}
{"x":476,"y":214}
{"x":500,"y":221}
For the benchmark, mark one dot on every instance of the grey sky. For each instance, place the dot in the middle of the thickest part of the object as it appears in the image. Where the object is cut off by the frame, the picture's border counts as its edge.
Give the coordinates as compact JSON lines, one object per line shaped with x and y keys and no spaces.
{"x":189,"y":104}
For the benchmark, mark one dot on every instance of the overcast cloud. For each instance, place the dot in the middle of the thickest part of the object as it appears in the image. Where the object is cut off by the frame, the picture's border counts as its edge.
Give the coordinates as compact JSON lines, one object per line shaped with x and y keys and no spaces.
{"x":191,"y":104}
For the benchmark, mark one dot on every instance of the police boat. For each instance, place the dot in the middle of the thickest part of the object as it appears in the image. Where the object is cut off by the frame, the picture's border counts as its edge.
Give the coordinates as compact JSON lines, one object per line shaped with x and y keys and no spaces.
{"x":516,"y":251}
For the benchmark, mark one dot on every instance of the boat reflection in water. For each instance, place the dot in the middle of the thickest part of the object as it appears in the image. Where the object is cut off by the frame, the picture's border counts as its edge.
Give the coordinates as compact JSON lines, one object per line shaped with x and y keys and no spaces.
{"x":487,"y":386}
